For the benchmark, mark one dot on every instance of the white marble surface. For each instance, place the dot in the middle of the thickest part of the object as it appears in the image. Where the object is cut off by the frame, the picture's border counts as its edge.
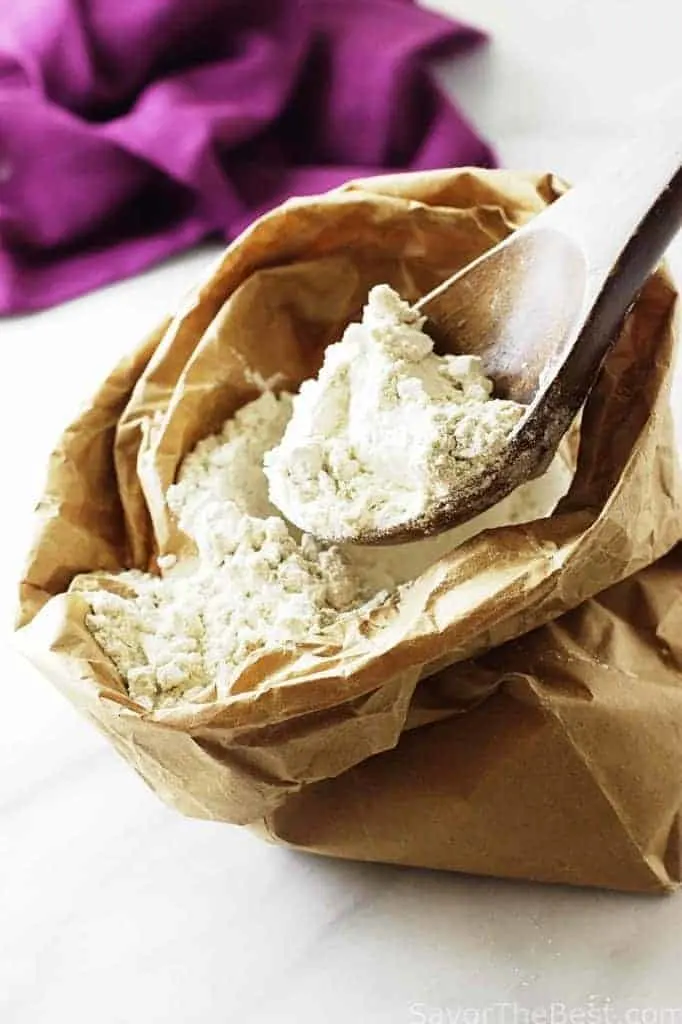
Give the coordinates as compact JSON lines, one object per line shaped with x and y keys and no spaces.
{"x":114,"y":909}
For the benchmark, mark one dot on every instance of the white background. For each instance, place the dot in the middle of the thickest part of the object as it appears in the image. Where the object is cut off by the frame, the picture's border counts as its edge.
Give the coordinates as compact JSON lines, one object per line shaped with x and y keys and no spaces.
{"x":114,"y":909}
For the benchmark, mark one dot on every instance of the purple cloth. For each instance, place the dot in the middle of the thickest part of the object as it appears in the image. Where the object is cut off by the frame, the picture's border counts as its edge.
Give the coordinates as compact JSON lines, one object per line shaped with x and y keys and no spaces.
{"x":130,"y":129}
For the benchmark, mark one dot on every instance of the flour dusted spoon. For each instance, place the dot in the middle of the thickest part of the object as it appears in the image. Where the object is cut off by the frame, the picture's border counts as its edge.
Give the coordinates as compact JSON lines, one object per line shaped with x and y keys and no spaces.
{"x":543,"y":308}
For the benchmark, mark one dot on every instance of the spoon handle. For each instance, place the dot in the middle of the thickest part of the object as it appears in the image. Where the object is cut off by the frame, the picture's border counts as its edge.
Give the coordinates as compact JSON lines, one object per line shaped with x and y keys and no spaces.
{"x":624,"y":215}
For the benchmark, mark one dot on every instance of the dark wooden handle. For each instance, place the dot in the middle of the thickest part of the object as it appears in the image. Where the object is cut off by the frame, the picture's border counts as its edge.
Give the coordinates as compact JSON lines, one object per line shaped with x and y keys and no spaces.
{"x":639,"y":258}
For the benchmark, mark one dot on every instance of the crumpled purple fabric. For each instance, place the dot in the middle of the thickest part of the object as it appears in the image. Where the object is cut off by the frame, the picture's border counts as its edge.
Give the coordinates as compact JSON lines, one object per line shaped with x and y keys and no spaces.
{"x":129,"y":130}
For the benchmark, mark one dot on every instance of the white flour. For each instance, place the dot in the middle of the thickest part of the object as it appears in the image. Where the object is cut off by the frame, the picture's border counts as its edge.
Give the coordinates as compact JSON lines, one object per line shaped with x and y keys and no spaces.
{"x":254,"y":584}
{"x":386,"y":429}
{"x":251,"y":585}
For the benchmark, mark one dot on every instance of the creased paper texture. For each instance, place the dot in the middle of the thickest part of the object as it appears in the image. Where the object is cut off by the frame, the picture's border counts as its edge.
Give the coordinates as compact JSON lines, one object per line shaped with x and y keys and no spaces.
{"x":519,"y":711}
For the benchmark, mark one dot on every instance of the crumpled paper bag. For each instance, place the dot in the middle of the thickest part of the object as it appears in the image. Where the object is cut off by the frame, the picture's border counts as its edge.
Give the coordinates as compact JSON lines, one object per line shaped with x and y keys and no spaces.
{"x":518,"y":711}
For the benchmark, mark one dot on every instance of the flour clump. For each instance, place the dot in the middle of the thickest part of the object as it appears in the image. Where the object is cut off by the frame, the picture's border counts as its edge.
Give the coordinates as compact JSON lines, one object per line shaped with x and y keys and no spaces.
{"x":377,"y":439}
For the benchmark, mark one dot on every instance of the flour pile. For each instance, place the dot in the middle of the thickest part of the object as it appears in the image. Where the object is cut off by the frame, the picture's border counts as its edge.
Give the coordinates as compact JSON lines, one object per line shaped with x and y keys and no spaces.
{"x":252,"y":583}
{"x":387,"y":428}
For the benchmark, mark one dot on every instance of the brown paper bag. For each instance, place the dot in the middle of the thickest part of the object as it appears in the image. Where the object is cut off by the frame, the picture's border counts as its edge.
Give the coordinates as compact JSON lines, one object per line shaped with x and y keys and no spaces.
{"x":500,"y":717}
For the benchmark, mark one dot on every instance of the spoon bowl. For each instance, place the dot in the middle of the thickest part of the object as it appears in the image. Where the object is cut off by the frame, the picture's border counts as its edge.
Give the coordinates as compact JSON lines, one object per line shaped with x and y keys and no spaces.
{"x":542,"y":310}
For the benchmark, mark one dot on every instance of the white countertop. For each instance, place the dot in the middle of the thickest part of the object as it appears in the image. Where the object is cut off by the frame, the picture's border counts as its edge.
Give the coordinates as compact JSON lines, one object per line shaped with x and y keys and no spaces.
{"x":115,"y":909}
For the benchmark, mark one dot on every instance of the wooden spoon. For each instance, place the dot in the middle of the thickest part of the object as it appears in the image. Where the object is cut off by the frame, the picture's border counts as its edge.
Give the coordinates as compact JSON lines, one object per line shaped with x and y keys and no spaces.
{"x":544,"y":307}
